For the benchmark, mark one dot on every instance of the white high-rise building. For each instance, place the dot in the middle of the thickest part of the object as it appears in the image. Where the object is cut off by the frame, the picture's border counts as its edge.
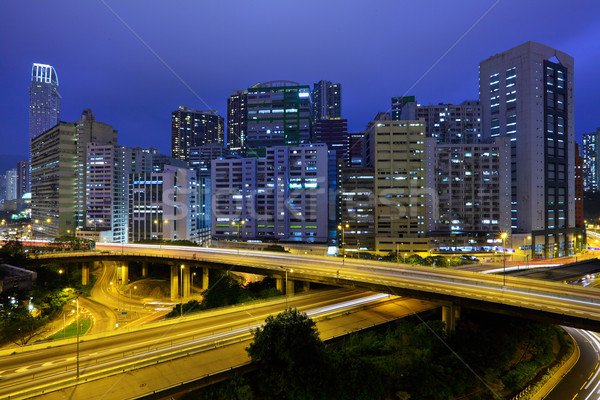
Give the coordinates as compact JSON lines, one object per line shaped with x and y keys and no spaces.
{"x":163,"y":205}
{"x":526,"y":94}
{"x":282,"y":196}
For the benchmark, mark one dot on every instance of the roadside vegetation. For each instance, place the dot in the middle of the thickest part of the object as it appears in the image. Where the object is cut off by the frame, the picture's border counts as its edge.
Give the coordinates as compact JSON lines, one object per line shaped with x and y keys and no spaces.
{"x":226,"y":291}
{"x":24,"y":313}
{"x":492,"y":356}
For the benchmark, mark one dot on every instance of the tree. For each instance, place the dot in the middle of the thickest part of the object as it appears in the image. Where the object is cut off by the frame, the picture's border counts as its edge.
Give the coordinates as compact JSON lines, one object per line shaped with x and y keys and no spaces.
{"x":291,"y":356}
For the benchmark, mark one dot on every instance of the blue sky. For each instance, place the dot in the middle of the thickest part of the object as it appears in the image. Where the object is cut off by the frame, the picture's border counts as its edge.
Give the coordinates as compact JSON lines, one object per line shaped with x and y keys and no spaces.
{"x":108,"y":54}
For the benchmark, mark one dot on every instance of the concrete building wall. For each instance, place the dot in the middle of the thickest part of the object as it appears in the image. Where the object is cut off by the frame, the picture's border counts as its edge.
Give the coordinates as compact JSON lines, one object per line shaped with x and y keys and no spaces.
{"x":53,"y":162}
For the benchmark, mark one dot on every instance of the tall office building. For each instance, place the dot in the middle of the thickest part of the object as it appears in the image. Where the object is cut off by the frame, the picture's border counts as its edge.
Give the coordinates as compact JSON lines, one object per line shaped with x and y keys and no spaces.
{"x":334,"y":133}
{"x":448,"y":123}
{"x":526,"y":93}
{"x":280,"y":197}
{"x":23,"y":178}
{"x":279,"y":114}
{"x":452,"y":123}
{"x":107,"y":201}
{"x":11,"y":184}
{"x":578,"y":191}
{"x":404,"y":108}
{"x":470,"y":206}
{"x":163,"y":205}
{"x":327,"y":100}
{"x":591,"y":161}
{"x":237,"y":114}
{"x":190,"y":127}
{"x":88,"y":130}
{"x":53,"y":168}
{"x":395,"y":161}
{"x":44,"y":100}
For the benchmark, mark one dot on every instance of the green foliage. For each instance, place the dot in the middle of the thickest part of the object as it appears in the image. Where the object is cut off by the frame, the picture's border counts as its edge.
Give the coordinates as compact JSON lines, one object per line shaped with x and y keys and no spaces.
{"x":236,"y":388}
{"x":275,"y":247}
{"x":72,"y":243}
{"x":291,"y":356}
{"x":180,"y":242}
{"x":12,"y":253}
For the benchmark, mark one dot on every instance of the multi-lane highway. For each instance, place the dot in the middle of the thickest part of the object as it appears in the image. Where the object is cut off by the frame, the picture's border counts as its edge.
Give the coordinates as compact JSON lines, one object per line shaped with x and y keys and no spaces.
{"x":23,"y":373}
{"x":555,"y":302}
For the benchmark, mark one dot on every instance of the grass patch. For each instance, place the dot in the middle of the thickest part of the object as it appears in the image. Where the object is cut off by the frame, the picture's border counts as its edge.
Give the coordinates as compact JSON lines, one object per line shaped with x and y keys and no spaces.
{"x":71,"y":330}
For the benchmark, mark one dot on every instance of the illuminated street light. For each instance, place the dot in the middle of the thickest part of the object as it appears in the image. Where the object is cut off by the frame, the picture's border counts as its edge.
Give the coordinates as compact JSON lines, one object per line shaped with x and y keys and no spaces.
{"x":181,"y":275}
{"x":343,"y":228}
{"x":503,"y":236}
{"x":239,"y":224}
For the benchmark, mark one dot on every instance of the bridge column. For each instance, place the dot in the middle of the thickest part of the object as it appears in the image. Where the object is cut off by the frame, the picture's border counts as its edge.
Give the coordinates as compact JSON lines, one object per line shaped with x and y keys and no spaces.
{"x":449,"y":318}
{"x":145,"y":269}
{"x":174,"y":282}
{"x":279,"y":283}
{"x":125,"y":274}
{"x":85,"y":273}
{"x":289,"y":290}
{"x":305,"y":286}
{"x":186,"y":273}
{"x":205,"y":278}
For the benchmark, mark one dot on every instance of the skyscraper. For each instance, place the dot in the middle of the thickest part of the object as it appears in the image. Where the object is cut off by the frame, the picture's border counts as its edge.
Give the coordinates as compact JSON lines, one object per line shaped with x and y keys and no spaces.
{"x":237,"y":114}
{"x":591,"y":161}
{"x":23,"y":178}
{"x":190,"y":127}
{"x":327,"y":100}
{"x":53,"y":162}
{"x":279,"y":114}
{"x":526,"y":93}
{"x":44,"y":100}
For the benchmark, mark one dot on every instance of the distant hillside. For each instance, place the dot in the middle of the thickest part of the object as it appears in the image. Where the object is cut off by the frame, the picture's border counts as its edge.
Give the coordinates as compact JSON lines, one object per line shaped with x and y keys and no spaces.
{"x":8,"y":161}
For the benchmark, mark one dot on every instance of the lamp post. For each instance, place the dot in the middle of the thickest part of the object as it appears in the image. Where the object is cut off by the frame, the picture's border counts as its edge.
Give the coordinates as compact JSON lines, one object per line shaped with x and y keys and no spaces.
{"x":135,"y":287}
{"x":238,"y":224}
{"x":404,"y":258}
{"x":77,"y":321}
{"x":181,"y":278}
{"x":503,"y":236}
{"x":192,"y":287}
{"x":342,"y":228}
{"x":286,"y":285}
{"x":118,"y":305}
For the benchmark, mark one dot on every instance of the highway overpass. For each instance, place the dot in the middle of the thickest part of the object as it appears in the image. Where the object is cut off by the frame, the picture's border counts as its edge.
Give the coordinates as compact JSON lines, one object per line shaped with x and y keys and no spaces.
{"x":529,"y":298}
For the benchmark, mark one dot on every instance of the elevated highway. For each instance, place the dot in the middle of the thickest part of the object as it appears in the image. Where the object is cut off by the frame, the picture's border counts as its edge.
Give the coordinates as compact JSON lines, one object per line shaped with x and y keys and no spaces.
{"x":530,"y":298}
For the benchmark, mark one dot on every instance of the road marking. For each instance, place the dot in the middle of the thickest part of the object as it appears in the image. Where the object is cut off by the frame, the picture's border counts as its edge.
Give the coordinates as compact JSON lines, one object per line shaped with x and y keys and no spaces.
{"x":22,"y":369}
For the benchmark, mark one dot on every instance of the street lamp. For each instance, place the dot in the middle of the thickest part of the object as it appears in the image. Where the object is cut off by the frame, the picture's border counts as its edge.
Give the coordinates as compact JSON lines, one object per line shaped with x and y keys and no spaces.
{"x":135,"y":287}
{"x":503,"y":236}
{"x":343,"y":228}
{"x":239,"y":224}
{"x":181,"y":275}
{"x":77,"y":321}
{"x":118,"y":305}
{"x":192,"y":287}
{"x":286,"y":285}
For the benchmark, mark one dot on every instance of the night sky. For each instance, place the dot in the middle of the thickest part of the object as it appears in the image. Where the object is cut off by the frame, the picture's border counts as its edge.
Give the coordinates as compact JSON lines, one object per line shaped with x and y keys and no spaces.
{"x":376,"y":50}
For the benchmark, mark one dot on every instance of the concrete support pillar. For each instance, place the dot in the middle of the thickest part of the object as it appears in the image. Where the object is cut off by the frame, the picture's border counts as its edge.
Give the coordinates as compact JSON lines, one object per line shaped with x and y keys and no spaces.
{"x":145,"y":269}
{"x":279,"y":283}
{"x":85,"y":273}
{"x":449,"y":318}
{"x":205,"y":278}
{"x":289,"y":290}
{"x":305,"y":286}
{"x":186,"y":273}
{"x":125,"y":274}
{"x":174,"y":282}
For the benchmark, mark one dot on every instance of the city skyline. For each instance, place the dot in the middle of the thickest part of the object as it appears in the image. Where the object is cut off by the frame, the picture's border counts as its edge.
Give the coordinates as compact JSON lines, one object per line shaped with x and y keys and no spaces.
{"x":94,"y":75}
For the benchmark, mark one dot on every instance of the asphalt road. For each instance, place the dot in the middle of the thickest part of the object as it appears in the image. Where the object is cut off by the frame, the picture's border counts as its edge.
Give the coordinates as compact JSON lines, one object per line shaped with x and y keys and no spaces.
{"x":46,"y":366}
